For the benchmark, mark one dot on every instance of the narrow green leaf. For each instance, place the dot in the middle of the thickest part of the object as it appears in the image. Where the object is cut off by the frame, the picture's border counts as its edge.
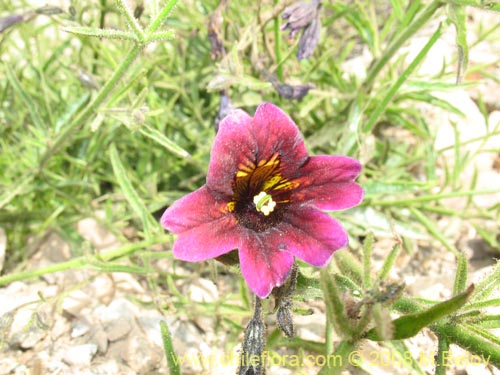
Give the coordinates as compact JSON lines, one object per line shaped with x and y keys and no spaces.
{"x":336,"y":312}
{"x":389,"y":262}
{"x":367,"y":255}
{"x":100,"y":33}
{"x":472,"y":342}
{"x":481,"y":4}
{"x":130,"y":194}
{"x":159,"y":137}
{"x":432,"y":228}
{"x":132,"y":22}
{"x":487,"y":285}
{"x":461,"y":276}
{"x":349,"y":266}
{"x":168,"y":348}
{"x":384,"y":326}
{"x":397,"y":9}
{"x":162,"y":35}
{"x":482,"y":304}
{"x":25,"y":97}
{"x":458,"y":17}
{"x":372,"y":120}
{"x":409,"y":325}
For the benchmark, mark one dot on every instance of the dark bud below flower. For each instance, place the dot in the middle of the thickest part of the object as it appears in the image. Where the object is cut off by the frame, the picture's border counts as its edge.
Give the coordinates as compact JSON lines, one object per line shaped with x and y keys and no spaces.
{"x":251,"y":361}
{"x":285,"y":320}
{"x":283,"y":297}
{"x":309,"y":39}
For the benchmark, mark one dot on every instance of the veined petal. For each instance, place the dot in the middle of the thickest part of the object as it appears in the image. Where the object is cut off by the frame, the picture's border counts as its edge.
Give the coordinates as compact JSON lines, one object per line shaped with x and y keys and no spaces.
{"x":243,"y":142}
{"x":328,"y":182}
{"x":276,"y":132}
{"x":263,"y":265}
{"x":310,"y":235}
{"x":232,"y":146}
{"x":206,"y":229}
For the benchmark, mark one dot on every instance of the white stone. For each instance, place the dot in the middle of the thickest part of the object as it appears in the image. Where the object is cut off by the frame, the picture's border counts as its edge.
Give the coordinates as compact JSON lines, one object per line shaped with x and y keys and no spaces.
{"x":80,"y":355}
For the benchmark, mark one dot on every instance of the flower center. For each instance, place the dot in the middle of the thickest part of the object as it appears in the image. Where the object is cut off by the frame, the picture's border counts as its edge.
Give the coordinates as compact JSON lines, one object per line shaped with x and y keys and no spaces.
{"x":259,"y":189}
{"x":264,"y":203}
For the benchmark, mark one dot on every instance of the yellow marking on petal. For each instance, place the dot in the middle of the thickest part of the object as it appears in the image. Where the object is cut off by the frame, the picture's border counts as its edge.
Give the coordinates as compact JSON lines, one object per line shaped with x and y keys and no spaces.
{"x":241,"y":174}
{"x":271,"y":182}
{"x":231,"y":206}
{"x":287,"y":185}
{"x":269,"y":163}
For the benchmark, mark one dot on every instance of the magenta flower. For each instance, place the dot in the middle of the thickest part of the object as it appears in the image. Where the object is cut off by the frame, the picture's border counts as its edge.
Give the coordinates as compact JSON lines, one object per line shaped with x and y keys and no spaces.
{"x":263,"y":196}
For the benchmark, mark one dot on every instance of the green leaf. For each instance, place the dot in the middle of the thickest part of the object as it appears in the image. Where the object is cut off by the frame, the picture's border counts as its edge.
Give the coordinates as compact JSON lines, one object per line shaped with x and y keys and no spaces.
{"x":367,"y":254}
{"x":349,"y":266}
{"x":335,"y":309}
{"x":159,"y":137}
{"x":389,"y":262}
{"x":131,"y":195}
{"x":168,"y":348}
{"x":409,"y":325}
{"x":461,"y":276}
{"x":375,"y":115}
{"x":25,"y":97}
{"x":486,"y":286}
{"x":100,"y":33}
{"x":459,"y":18}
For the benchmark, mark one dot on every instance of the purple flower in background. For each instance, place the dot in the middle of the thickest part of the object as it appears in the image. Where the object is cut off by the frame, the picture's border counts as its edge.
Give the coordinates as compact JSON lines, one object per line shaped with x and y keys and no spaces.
{"x":263,"y":196}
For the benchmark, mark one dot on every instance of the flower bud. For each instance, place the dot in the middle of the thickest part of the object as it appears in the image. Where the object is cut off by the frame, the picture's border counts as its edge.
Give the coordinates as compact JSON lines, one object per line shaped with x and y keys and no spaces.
{"x":309,"y":39}
{"x":291,"y":92}
{"x":6,"y":22}
{"x":299,"y":15}
{"x":251,"y":361}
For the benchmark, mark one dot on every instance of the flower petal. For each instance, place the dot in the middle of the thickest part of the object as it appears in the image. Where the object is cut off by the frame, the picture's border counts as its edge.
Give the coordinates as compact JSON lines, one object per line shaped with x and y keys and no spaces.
{"x":206,"y":229}
{"x":310,"y":235}
{"x":328,"y":182}
{"x":263,"y":265}
{"x":245,"y":141}
{"x":276,"y":132}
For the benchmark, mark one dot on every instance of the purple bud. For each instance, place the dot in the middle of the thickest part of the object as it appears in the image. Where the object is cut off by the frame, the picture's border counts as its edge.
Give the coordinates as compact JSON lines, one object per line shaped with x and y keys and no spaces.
{"x":6,"y":22}
{"x":299,"y":15}
{"x":290,"y":92}
{"x":309,"y":39}
{"x":252,"y":361}
{"x":225,"y":108}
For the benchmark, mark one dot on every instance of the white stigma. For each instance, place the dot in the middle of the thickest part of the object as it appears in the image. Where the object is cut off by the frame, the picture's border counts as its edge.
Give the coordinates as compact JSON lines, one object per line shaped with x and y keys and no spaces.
{"x":264,"y":203}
